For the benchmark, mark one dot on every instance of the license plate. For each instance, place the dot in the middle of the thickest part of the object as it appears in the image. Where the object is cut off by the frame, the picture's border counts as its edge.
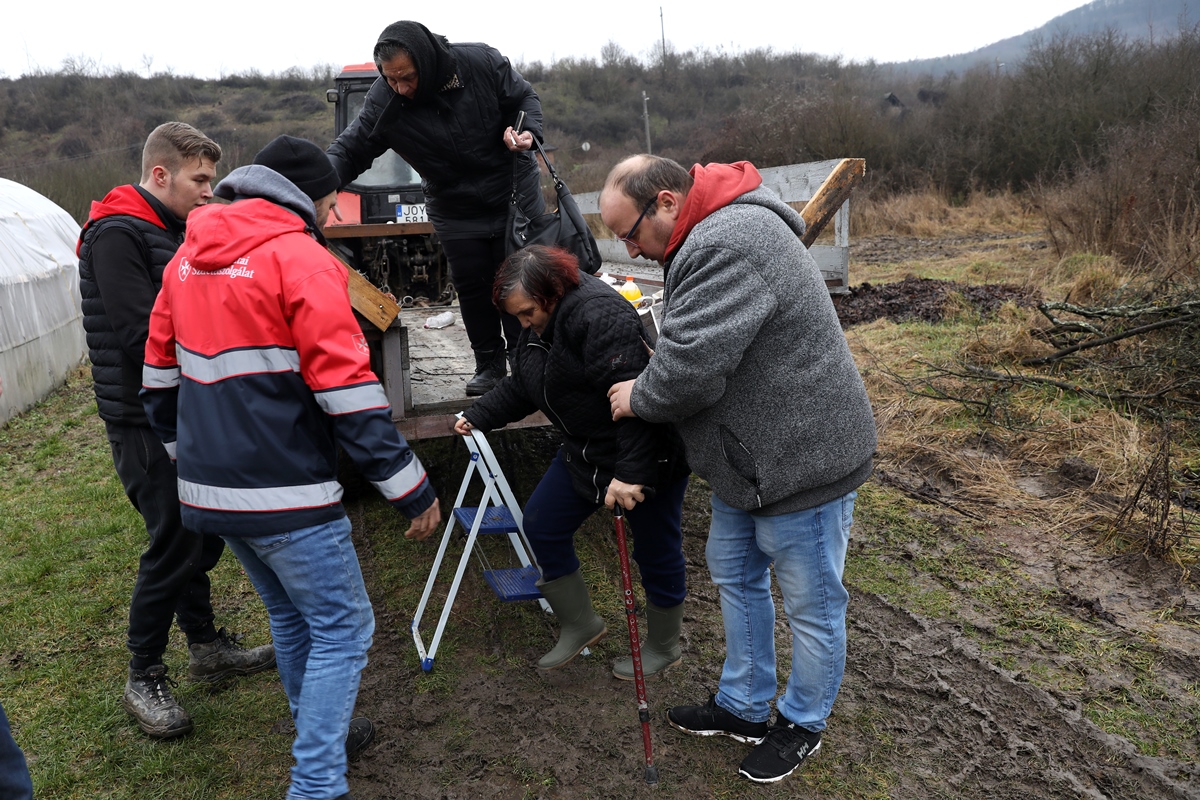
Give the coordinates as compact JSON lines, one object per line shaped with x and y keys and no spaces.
{"x":411,"y":213}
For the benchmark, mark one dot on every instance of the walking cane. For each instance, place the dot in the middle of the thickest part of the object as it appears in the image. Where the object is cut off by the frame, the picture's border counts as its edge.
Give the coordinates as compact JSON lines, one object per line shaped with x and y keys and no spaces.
{"x":635,"y":647}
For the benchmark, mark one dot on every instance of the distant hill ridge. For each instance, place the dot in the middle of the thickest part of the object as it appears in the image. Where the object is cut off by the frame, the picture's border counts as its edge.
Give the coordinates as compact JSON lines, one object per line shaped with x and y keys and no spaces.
{"x":1137,"y":19}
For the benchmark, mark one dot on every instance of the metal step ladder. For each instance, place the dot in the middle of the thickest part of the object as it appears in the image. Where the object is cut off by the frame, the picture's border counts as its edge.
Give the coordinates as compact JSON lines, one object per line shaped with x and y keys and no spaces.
{"x":497,"y":513}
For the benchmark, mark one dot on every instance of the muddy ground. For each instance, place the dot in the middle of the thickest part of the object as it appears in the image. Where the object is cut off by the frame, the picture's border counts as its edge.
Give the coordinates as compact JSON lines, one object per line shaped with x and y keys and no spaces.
{"x":924,"y":709}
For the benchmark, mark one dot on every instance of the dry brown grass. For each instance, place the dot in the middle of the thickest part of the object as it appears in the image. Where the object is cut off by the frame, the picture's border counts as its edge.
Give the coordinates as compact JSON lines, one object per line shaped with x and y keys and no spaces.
{"x":1007,"y":339}
{"x":928,"y":214}
{"x":998,"y":463}
{"x":1085,"y":278}
{"x":990,"y":239}
{"x":1138,"y":200}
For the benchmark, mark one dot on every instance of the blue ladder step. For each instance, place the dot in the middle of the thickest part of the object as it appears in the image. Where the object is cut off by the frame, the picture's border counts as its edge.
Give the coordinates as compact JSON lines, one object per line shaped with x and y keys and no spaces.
{"x":496,"y":519}
{"x":518,"y":583}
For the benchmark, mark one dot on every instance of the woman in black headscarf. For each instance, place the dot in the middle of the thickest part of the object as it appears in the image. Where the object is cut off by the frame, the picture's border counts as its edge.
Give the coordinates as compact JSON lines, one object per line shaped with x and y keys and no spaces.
{"x":448,"y":110}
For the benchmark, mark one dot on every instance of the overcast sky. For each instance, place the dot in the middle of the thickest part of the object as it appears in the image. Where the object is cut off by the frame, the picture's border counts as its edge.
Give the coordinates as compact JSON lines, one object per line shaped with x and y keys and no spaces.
{"x":215,"y":39}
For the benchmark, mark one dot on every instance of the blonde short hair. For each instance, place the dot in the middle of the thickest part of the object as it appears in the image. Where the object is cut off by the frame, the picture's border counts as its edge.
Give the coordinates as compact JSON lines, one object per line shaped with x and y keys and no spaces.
{"x":173,"y":144}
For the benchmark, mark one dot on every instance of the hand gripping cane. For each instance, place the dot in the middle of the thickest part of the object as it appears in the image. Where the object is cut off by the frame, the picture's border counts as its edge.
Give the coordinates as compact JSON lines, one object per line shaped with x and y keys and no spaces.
{"x":635,"y":648}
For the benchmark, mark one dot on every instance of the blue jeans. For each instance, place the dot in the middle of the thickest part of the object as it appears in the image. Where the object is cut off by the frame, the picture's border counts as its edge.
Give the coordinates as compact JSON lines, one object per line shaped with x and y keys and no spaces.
{"x":808,"y":549}
{"x":555,"y":511}
{"x":14,"y":774}
{"x":321,"y":623}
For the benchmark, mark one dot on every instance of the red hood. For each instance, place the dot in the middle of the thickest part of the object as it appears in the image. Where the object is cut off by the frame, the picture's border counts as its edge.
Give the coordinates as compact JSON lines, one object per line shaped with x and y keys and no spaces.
{"x":714,"y":187}
{"x":218,"y":235}
{"x":124,"y":201}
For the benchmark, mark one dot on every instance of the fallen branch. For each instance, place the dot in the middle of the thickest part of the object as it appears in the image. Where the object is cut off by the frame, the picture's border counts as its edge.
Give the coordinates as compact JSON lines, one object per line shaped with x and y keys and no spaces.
{"x":1116,"y":337}
{"x":978,"y":373}
{"x":1115,"y":311}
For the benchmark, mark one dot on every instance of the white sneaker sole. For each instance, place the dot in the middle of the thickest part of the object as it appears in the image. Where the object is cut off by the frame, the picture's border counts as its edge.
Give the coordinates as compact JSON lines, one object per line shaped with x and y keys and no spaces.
{"x":737,"y":737}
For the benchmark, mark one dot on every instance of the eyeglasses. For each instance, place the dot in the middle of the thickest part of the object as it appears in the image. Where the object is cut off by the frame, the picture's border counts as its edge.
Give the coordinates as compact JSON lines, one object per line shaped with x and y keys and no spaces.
{"x":628,"y":238}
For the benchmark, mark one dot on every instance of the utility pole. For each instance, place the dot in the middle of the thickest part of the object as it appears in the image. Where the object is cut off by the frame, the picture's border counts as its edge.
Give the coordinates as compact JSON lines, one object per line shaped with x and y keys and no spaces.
{"x":646,"y":119}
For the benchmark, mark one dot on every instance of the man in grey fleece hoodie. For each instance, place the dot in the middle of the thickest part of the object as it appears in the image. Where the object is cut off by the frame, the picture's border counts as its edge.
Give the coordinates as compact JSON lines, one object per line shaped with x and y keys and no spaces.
{"x":752,"y":368}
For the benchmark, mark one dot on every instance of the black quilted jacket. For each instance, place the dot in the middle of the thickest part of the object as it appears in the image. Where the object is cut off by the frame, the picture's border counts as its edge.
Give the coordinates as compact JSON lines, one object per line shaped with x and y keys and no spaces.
{"x":118,"y":290}
{"x":593,"y":340}
{"x":454,"y":142}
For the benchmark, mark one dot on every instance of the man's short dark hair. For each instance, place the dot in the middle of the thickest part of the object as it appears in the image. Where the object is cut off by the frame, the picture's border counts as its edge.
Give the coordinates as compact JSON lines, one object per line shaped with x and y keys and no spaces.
{"x":646,"y":176}
{"x":173,"y":144}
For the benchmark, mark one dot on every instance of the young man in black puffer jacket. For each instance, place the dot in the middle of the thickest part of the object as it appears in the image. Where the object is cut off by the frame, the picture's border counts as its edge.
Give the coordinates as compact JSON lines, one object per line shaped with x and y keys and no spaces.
{"x":129,"y":238}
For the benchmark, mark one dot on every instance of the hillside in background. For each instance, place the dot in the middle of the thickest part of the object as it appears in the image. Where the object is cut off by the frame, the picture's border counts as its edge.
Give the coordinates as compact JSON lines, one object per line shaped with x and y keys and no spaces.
{"x":1109,"y":115}
{"x":1136,"y":19}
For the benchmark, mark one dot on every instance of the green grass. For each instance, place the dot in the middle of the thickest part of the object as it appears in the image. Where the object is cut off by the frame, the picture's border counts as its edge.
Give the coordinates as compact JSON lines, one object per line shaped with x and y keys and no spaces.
{"x":68,"y":557}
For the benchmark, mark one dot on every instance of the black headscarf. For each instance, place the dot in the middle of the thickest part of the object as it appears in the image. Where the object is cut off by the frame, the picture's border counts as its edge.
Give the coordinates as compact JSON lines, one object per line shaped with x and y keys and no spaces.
{"x":430,"y":54}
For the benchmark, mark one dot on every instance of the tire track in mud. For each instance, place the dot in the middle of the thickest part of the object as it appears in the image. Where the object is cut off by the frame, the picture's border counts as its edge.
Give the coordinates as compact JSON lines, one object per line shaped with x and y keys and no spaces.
{"x":963,"y":727}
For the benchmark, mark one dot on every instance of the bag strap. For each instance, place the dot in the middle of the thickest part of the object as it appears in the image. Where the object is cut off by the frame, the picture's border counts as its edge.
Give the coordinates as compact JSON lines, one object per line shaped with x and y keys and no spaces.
{"x":558,"y":183}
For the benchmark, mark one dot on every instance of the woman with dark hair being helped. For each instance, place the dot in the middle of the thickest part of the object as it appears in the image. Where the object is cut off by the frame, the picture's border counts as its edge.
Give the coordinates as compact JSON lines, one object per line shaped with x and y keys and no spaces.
{"x":580,"y":337}
{"x":448,"y":110}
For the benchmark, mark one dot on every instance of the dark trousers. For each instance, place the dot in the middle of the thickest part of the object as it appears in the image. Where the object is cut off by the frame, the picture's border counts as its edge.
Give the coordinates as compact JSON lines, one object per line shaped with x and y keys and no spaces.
{"x":172,"y":578}
{"x":473,"y":265}
{"x":14,"y":773}
{"x":555,"y":511}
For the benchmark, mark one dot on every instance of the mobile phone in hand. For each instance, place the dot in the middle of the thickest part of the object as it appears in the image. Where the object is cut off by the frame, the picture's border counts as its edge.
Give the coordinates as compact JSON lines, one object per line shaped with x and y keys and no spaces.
{"x":519,"y":125}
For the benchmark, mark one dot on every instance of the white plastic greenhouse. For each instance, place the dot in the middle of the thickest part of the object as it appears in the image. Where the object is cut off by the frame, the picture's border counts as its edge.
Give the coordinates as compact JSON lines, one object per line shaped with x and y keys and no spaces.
{"x":41,"y":327}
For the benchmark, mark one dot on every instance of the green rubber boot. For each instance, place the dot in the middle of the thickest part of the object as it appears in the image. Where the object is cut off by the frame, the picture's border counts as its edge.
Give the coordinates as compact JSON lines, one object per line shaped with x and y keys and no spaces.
{"x":660,"y":645}
{"x":568,"y":597}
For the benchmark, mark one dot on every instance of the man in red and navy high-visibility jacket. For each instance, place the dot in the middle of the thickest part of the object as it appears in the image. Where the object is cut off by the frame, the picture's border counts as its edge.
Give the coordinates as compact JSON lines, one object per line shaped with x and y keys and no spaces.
{"x":255,"y":372}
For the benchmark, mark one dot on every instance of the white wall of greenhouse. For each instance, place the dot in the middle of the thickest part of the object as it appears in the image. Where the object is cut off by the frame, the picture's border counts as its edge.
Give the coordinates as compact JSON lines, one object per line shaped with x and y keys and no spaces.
{"x":41,"y":326}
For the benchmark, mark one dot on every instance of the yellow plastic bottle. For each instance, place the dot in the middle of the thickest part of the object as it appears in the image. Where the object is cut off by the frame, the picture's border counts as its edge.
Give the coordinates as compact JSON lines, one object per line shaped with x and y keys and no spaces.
{"x":630,"y":290}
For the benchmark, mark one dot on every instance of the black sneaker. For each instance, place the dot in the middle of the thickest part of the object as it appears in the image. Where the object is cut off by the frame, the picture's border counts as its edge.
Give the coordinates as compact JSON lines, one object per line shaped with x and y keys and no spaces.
{"x":149,"y":701}
{"x":786,"y":747}
{"x":712,"y":720}
{"x":359,"y":737}
{"x":225,"y":656}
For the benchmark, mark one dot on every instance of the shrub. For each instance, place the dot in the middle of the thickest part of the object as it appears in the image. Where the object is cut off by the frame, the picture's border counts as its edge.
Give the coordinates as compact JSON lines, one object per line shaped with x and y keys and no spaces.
{"x":1137,"y":199}
{"x":247,"y":108}
{"x":301,"y":105}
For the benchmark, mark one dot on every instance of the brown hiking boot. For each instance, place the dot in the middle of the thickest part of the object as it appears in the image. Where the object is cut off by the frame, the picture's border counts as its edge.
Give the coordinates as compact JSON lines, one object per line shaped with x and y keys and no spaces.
{"x":224,"y":656}
{"x":148,"y":699}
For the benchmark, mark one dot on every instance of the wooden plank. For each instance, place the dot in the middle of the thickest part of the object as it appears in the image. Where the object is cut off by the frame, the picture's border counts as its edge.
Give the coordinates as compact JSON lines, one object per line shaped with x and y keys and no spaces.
{"x":396,"y":384}
{"x":829,"y":197}
{"x":834,"y":263}
{"x":442,"y":425}
{"x":798,"y":183}
{"x":376,"y":307}
{"x":376,"y":229}
{"x":441,"y":361}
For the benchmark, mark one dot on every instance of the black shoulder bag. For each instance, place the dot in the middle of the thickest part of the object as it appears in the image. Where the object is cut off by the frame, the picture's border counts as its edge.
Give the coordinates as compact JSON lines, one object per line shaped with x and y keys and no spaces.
{"x":564,"y":226}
